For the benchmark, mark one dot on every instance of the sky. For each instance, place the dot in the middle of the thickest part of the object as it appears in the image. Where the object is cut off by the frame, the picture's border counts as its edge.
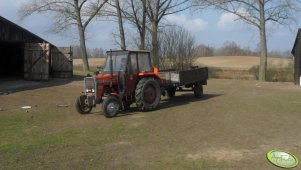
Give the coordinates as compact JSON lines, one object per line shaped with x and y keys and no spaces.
{"x":209,"y":27}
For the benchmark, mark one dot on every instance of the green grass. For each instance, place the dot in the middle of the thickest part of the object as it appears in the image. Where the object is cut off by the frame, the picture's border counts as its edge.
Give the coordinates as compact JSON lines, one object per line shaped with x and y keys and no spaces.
{"x":232,"y":127}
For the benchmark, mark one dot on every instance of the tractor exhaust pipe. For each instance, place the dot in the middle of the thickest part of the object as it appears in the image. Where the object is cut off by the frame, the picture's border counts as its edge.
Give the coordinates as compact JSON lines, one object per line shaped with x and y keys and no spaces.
{"x":111,"y":69}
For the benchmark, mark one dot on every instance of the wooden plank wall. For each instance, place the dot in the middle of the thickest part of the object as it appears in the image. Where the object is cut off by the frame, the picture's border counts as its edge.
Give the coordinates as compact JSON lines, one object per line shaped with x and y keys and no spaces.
{"x":61,"y":62}
{"x":36,"y":61}
{"x":297,"y":60}
{"x":11,"y":32}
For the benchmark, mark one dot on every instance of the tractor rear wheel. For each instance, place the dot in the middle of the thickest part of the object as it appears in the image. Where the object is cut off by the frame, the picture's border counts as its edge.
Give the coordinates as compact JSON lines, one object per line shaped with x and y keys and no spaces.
{"x":147,"y":94}
{"x":80,"y":105}
{"x":198,"y":90}
{"x":111,"y":106}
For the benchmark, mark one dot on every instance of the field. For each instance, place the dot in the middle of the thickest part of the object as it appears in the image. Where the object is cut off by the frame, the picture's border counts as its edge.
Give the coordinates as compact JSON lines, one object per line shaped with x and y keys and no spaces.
{"x":226,"y":62}
{"x":232,"y":127}
{"x":93,"y":64}
{"x":231,"y":67}
{"x":240,"y":62}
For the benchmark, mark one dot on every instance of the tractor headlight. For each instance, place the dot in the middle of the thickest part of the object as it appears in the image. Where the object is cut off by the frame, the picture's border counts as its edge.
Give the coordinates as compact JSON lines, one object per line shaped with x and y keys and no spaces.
{"x":90,"y":90}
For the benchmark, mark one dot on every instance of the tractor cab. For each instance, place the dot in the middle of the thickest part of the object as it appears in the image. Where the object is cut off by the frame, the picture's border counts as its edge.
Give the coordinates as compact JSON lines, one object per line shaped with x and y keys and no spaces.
{"x":125,"y":68}
{"x":130,"y":61}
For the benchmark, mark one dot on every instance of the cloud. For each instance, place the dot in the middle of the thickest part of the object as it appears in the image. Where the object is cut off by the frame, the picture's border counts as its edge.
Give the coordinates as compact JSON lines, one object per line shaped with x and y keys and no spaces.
{"x":229,"y":21}
{"x":193,"y":25}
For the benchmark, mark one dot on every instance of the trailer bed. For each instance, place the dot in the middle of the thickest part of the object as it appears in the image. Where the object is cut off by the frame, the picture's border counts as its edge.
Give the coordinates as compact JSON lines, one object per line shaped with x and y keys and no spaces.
{"x":186,"y":77}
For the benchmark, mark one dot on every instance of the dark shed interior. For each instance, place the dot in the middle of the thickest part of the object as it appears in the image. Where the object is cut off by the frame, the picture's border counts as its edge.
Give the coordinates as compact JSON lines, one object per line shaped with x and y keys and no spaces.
{"x":11,"y":59}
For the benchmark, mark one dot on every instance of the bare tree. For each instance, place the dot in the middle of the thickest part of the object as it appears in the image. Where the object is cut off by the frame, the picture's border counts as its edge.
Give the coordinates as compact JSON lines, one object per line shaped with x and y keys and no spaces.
{"x":135,"y":13}
{"x":69,"y":13}
{"x":97,"y":53}
{"x":204,"y":50}
{"x":120,"y":24}
{"x":156,"y":10}
{"x":142,"y":13}
{"x":177,"y":48}
{"x":257,"y":13}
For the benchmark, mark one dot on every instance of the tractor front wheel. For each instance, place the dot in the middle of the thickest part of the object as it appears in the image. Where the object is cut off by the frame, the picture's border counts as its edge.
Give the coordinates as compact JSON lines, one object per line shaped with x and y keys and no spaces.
{"x":147,"y":94}
{"x":80,"y":105}
{"x":111,"y":106}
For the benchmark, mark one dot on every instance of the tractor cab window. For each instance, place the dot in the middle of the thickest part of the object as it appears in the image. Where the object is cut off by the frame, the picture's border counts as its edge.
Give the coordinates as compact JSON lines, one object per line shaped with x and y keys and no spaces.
{"x":134,"y":63}
{"x":144,"y":62}
{"x":119,"y":62}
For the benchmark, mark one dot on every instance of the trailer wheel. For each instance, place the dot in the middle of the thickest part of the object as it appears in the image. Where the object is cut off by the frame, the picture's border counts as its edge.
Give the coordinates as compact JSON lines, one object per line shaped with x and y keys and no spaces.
{"x":111,"y":106}
{"x":171,"y":91}
{"x":80,"y":105}
{"x":198,"y":90}
{"x":147,"y":94}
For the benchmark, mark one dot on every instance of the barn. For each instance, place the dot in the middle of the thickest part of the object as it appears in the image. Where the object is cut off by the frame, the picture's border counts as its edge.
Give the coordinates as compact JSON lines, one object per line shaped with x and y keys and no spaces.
{"x":26,"y":55}
{"x":296,"y":51}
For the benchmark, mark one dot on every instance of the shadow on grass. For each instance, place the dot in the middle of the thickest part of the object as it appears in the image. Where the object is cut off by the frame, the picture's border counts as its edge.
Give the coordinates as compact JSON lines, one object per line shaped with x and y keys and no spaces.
{"x":185,"y":98}
{"x":179,"y":100}
{"x":17,"y":84}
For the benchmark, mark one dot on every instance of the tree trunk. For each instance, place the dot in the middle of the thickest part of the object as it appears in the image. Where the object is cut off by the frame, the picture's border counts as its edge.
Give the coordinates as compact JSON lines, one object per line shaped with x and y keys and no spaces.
{"x":155,"y":44}
{"x":82,"y":44}
{"x":142,"y":42}
{"x":263,"y":43}
{"x":120,"y":23}
{"x":82,"y":38}
{"x":143,"y":27}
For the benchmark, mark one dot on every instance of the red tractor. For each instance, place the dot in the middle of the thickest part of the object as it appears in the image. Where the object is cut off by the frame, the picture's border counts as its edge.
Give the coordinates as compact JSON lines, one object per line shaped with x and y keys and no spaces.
{"x":128,"y":77}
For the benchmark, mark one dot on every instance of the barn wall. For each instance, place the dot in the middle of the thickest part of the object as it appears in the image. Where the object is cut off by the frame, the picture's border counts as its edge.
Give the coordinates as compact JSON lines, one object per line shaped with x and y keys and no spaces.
{"x":297,"y":64}
{"x":296,"y":51}
{"x":61,"y":62}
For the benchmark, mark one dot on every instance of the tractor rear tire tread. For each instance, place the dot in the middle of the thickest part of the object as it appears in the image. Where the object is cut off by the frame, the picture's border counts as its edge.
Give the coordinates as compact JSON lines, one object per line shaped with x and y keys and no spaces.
{"x":139,"y":94}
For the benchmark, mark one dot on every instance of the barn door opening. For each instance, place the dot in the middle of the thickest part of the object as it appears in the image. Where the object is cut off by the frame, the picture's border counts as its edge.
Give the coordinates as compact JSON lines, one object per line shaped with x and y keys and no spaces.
{"x":11,"y":59}
{"x":36,"y":61}
{"x":61,"y":62}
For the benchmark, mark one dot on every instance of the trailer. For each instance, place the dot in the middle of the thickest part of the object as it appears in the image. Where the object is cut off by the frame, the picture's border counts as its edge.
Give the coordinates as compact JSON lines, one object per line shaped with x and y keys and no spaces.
{"x":194,"y":78}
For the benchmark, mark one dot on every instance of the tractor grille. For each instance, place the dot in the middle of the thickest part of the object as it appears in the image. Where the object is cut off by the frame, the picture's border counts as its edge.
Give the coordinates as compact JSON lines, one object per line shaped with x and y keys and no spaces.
{"x":89,"y":84}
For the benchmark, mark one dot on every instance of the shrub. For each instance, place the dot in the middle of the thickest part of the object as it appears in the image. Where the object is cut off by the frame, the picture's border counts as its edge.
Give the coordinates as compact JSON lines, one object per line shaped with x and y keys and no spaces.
{"x":275,"y":73}
{"x":213,"y":72}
